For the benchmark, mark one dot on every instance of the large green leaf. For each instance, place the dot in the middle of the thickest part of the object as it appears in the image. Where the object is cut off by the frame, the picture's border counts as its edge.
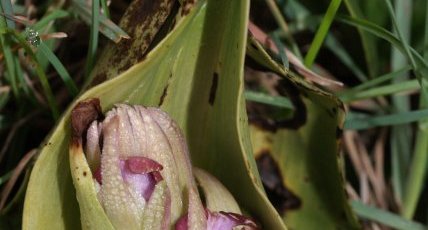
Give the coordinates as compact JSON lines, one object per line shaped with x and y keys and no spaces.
{"x":299,"y":158}
{"x":196,"y":75}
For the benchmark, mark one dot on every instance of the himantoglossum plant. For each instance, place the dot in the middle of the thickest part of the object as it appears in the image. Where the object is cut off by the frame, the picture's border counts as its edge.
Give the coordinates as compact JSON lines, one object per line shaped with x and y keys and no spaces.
{"x":132,"y":170}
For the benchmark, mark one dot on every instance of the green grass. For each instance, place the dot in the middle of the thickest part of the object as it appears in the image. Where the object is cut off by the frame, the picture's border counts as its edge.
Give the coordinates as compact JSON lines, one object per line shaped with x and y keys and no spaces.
{"x":276,"y":12}
{"x":93,"y":40}
{"x":322,"y":32}
{"x":384,"y":217}
{"x":5,"y":177}
{"x":107,"y":27}
{"x":376,"y":81}
{"x":105,"y":8}
{"x":369,"y":42}
{"x":39,"y":71}
{"x":380,"y":91}
{"x":264,"y":98}
{"x":281,"y":48}
{"x":303,"y":20}
{"x":401,"y":147}
{"x":56,"y":63}
{"x":384,"y":34}
{"x":5,"y":42}
{"x":368,"y":122}
{"x":418,"y":166}
{"x":49,"y":18}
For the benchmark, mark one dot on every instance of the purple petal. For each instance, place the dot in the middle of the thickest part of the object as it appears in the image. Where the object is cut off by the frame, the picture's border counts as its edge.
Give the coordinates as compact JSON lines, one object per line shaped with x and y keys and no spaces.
{"x":142,"y":165}
{"x":97,"y":175}
{"x":182,"y":223}
{"x":220,"y":221}
{"x":141,"y":174}
{"x":228,"y":220}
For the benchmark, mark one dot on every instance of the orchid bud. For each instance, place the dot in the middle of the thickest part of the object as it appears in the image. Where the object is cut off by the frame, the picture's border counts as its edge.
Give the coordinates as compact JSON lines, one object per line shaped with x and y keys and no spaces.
{"x":135,"y":172}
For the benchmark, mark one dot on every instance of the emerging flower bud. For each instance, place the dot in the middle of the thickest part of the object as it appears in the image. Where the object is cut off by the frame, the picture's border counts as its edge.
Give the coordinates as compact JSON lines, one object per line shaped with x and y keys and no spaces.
{"x":142,"y":175}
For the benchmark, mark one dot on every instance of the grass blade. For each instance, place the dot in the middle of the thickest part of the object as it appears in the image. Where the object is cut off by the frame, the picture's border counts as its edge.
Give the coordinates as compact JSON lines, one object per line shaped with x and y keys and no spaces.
{"x":20,"y":75}
{"x":384,"y":34}
{"x":337,"y":49}
{"x":376,"y":81}
{"x":107,"y":27}
{"x":7,"y":9}
{"x":10,"y":66}
{"x":368,"y":42}
{"x":39,"y":71}
{"x":322,"y":32}
{"x":5,"y":177}
{"x":303,"y":20}
{"x":56,"y":63}
{"x":385,"y":120}
{"x":278,"y":101}
{"x":281,"y":49}
{"x":401,"y":37}
{"x":284,"y":27}
{"x":384,"y":217}
{"x":6,"y":50}
{"x":417,"y":171}
{"x":402,"y":134}
{"x":55,"y":14}
{"x":380,"y":91}
{"x":93,"y":40}
{"x":104,"y":6}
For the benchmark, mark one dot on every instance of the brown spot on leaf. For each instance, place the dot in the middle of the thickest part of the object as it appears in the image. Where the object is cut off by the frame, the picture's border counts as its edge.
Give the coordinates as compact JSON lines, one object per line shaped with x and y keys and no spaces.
{"x":84,"y":173}
{"x":142,"y":18}
{"x":187,"y":6}
{"x":279,"y":195}
{"x":165,"y":90}
{"x":213,"y":89}
{"x":82,"y":115}
{"x":163,"y":95}
{"x":139,"y":11}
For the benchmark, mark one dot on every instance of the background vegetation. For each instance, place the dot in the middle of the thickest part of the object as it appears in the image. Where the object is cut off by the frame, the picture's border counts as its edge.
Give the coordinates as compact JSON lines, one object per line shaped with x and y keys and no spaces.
{"x":376,"y":48}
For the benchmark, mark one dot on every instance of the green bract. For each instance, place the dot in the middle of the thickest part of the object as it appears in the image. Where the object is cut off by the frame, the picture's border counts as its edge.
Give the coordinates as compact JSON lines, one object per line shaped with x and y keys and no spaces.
{"x":196,"y":75}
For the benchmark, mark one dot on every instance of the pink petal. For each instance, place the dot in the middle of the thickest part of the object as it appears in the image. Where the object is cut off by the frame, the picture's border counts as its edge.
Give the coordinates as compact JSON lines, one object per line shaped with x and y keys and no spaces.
{"x":141,"y":174}
{"x":220,"y":221}
{"x":182,"y":223}
{"x":228,"y":220}
{"x":97,"y":176}
{"x":142,"y":165}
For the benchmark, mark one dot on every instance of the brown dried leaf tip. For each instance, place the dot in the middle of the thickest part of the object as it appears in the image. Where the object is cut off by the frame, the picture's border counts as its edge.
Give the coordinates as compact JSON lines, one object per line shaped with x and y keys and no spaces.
{"x":82,"y":115}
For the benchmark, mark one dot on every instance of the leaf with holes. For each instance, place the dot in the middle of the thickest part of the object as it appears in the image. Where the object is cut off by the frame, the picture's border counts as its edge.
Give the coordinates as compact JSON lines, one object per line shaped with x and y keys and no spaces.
{"x":298,"y":158}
